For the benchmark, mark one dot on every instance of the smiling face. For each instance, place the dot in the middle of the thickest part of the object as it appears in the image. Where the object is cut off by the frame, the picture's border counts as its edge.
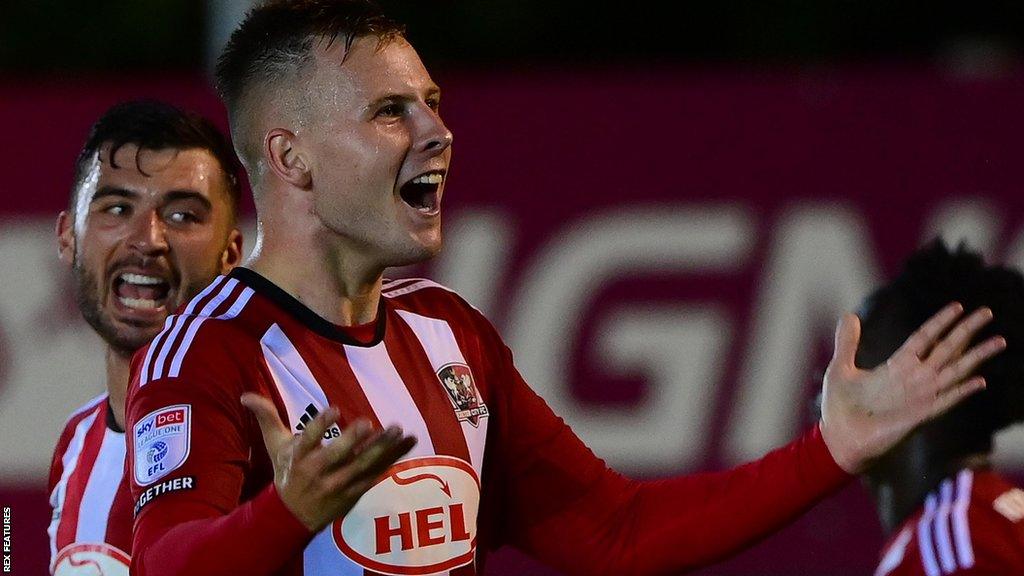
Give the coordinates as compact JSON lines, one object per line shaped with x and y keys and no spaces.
{"x":149,"y":231}
{"x":378,"y":151}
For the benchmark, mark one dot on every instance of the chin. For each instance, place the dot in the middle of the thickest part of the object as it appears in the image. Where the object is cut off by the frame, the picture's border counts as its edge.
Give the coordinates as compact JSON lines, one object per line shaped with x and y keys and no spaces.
{"x":413,"y":255}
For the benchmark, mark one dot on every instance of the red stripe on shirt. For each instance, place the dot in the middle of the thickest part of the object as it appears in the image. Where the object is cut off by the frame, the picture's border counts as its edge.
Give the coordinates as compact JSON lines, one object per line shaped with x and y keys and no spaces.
{"x":427,"y":392}
{"x":68,"y":527}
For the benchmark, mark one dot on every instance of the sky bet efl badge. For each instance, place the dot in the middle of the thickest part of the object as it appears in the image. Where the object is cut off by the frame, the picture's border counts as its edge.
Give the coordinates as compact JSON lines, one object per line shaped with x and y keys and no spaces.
{"x":161,"y":442}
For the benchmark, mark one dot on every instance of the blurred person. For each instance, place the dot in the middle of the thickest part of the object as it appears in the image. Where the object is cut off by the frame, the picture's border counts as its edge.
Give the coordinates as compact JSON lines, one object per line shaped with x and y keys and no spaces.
{"x":150,"y":222}
{"x":355,"y":448}
{"x":944,"y":508}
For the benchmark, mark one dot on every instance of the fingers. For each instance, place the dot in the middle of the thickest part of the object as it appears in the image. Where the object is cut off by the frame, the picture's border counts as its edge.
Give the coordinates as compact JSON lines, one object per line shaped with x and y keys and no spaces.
{"x":275,"y":433}
{"x":314,"y":430}
{"x":970,"y":361}
{"x":847,"y":339}
{"x":378,"y":455}
{"x":921,"y":341}
{"x":342,"y":448}
{"x":959,"y":337}
{"x":956,"y":394}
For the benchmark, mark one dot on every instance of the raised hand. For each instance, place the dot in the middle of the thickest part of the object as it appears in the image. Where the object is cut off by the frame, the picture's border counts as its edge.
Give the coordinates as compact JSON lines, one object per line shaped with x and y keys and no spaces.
{"x":321,"y":482}
{"x":866,"y":412}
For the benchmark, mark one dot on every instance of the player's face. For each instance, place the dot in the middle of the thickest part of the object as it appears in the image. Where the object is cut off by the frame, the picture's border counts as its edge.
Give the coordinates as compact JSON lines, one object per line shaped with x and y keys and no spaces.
{"x":145,"y":237}
{"x":379,"y":151}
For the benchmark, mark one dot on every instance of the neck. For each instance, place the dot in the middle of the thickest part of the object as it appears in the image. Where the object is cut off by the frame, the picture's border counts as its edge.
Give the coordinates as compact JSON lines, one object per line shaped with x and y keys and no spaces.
{"x":117,"y":382}
{"x":901,"y":486}
{"x":335,"y":283}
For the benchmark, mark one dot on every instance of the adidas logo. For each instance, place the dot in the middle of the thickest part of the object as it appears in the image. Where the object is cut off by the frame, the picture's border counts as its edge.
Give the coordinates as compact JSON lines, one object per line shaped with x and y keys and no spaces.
{"x":310,"y":413}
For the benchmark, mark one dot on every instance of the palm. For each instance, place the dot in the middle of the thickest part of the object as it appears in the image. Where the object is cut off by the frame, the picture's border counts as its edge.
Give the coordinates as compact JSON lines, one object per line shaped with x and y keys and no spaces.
{"x":866,"y":412}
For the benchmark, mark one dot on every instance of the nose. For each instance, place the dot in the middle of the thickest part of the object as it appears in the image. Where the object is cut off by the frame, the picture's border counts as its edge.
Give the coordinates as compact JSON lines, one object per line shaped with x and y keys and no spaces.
{"x":435,"y":137}
{"x":147,"y":235}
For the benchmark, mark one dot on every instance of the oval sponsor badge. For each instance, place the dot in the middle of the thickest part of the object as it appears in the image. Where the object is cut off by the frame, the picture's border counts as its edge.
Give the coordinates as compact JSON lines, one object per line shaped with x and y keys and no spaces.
{"x":162,"y":441}
{"x":420,"y":518}
{"x":94,"y":559}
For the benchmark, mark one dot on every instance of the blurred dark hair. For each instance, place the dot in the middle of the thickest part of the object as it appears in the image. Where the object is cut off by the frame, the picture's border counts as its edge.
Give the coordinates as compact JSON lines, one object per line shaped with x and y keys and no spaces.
{"x":154,"y":125}
{"x":931,"y":278}
{"x":276,"y":39}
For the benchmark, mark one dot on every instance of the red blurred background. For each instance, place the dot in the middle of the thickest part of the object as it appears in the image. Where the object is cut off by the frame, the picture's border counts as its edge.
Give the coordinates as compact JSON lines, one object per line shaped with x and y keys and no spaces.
{"x":666,"y":247}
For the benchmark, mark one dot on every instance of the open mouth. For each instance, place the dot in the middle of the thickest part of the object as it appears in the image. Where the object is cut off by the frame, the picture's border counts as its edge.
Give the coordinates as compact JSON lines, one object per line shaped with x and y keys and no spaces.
{"x":141,"y":291}
{"x":423,"y":192}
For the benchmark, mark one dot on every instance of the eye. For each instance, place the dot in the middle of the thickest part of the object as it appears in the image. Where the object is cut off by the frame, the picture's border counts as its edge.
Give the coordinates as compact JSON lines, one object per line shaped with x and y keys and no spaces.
{"x":182,"y":217}
{"x":392,"y":110}
{"x":434,"y":104}
{"x":117,"y":209}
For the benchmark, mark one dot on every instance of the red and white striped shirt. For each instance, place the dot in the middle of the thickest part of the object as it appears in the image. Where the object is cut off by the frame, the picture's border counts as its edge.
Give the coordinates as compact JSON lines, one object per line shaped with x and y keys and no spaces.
{"x":493,"y":465}
{"x":91,"y":523}
{"x":970,"y":525}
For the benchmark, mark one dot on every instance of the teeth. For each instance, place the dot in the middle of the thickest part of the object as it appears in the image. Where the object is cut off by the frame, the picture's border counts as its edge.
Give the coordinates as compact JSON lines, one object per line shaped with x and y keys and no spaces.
{"x":428,"y":179}
{"x":140,"y":280}
{"x":139,"y":303}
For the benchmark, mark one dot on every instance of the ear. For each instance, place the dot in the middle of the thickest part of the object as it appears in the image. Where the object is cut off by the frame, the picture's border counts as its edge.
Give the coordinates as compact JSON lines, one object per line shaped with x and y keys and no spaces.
{"x":232,"y":255}
{"x":65,"y":230}
{"x":285,"y":159}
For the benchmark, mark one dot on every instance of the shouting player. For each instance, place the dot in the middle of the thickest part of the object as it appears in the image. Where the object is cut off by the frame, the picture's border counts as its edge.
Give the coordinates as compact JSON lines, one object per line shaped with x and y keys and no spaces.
{"x":357,"y":457}
{"x":150,"y":222}
{"x":944,"y":508}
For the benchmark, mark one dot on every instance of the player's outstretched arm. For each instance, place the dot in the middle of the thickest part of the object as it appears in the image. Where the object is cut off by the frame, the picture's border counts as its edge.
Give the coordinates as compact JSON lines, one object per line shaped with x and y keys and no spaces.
{"x":866,"y":412}
{"x":561,"y":504}
{"x":320,"y":482}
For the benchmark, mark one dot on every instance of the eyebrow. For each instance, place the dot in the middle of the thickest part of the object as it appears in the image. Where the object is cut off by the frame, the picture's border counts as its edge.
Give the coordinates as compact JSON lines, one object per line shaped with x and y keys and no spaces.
{"x":172,"y":196}
{"x":433,"y":92}
{"x":108,"y":191}
{"x":189,"y":195}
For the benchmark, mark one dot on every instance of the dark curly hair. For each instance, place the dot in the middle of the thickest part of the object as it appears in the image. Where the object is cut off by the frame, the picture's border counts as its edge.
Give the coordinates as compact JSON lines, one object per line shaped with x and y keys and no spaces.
{"x":154,"y":125}
{"x":931,"y":278}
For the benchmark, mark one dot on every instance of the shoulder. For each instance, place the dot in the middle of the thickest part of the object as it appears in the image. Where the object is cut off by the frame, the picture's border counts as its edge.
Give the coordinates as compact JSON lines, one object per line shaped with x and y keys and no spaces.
{"x":420,"y":297}
{"x":961,"y":530}
{"x":996,"y":521}
{"x":416,"y":289}
{"x":205,"y":336}
{"x":82,"y":416}
{"x":84,"y":411}
{"x":426,"y":297}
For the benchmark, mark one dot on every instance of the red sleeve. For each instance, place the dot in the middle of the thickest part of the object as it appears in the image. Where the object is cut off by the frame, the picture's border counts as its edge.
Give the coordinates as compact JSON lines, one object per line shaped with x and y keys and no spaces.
{"x":561,"y":504}
{"x":190,"y":518}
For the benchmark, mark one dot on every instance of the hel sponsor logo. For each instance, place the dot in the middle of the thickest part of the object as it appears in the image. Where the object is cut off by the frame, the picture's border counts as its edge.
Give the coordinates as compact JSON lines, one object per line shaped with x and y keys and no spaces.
{"x":183,"y":483}
{"x":458,"y":383}
{"x":310,"y":413}
{"x":162,"y":442}
{"x":419,"y":519}
{"x":93,"y":559}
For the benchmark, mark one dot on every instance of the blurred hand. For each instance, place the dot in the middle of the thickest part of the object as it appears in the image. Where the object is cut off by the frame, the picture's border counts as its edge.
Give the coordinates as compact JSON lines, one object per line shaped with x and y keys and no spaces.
{"x":866,"y":412}
{"x":319,"y":482}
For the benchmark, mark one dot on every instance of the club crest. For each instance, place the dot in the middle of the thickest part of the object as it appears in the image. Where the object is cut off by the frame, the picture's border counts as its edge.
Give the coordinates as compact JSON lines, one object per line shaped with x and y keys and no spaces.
{"x":458,"y":383}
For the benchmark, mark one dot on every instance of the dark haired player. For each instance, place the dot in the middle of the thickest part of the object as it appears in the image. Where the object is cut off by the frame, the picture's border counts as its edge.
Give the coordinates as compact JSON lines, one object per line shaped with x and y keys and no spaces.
{"x":337,"y":123}
{"x":151,"y":220}
{"x":944,"y":508}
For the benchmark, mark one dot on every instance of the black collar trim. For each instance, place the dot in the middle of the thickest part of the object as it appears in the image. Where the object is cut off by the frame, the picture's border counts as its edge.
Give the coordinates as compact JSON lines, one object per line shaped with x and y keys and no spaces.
{"x":111,"y":419}
{"x":303,"y":314}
